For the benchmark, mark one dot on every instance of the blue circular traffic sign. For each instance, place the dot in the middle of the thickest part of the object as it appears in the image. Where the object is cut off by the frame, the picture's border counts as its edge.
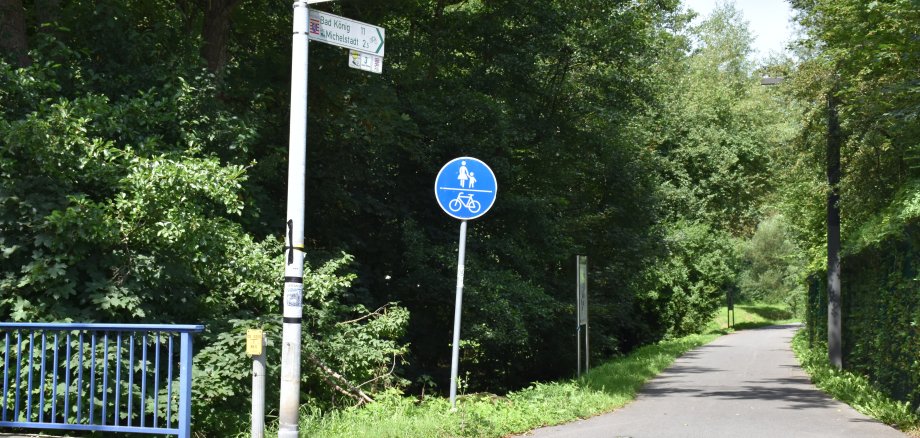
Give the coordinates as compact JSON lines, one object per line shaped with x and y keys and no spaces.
{"x":465,"y":188}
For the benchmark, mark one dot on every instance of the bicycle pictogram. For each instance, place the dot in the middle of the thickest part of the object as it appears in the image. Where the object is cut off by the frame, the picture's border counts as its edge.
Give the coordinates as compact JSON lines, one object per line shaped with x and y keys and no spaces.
{"x":464,"y":201}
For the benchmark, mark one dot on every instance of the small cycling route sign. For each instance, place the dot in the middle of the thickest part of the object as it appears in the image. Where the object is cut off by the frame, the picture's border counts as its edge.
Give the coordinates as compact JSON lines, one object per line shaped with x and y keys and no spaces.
{"x":465,"y":188}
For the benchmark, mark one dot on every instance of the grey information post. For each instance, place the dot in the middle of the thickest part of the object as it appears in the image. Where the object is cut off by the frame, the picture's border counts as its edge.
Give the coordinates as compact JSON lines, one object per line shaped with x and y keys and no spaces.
{"x":581,"y":299}
{"x":582,"y":263}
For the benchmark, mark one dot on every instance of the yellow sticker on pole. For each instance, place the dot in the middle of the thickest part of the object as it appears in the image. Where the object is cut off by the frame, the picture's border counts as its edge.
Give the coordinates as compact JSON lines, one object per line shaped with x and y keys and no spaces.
{"x":254,"y":342}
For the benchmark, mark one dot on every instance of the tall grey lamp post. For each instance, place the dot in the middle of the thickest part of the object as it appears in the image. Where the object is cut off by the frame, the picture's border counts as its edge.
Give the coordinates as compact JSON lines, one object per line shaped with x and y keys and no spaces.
{"x":834,"y":309}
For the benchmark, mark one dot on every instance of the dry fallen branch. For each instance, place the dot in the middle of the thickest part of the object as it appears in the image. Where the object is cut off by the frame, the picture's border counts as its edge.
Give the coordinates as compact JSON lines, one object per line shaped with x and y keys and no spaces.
{"x":352,"y":391}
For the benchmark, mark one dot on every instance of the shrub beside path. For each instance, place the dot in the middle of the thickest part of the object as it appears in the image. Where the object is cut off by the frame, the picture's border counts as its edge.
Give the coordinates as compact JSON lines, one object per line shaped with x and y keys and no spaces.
{"x":745,"y":384}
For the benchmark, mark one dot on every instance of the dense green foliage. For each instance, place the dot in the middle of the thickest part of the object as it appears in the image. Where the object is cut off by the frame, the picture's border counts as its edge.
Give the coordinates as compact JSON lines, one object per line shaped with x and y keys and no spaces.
{"x":712,"y":131}
{"x":864,"y":54}
{"x":165,"y":177}
{"x":772,"y":266}
{"x":121,"y":203}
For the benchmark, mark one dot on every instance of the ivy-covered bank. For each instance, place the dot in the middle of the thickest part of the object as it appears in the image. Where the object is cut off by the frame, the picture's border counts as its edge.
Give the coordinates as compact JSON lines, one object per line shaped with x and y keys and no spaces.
{"x":881,"y":313}
{"x":861,"y":97}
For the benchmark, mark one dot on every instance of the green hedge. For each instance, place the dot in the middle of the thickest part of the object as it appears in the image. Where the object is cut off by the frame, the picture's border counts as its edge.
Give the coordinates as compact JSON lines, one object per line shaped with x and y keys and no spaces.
{"x":881,"y":313}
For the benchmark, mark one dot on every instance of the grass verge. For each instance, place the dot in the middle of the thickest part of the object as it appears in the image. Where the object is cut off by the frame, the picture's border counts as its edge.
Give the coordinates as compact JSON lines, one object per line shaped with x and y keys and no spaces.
{"x":748,"y":316}
{"x":852,"y":389}
{"x":603,"y":389}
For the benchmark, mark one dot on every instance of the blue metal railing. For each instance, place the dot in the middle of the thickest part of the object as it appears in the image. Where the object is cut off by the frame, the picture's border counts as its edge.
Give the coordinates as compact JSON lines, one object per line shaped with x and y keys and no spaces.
{"x":45,"y":368}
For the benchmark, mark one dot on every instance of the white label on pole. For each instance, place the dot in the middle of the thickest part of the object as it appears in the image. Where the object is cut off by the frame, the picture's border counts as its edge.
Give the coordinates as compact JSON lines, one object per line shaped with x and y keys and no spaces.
{"x":345,"y":32}
{"x":365,"y":61}
{"x":582,"y":262}
{"x":293,"y":300}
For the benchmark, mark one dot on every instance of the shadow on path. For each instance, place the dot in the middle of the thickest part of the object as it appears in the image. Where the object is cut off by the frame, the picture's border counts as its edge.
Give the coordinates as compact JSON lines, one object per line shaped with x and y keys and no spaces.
{"x":792,"y":398}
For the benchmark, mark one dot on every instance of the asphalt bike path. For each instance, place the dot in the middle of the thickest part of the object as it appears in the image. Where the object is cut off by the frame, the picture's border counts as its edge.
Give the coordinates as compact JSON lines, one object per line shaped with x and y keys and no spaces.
{"x":745,"y":384}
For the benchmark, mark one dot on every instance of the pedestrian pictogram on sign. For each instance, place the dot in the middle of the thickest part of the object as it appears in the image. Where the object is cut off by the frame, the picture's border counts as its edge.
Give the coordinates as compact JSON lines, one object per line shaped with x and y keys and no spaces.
{"x":465,"y":188}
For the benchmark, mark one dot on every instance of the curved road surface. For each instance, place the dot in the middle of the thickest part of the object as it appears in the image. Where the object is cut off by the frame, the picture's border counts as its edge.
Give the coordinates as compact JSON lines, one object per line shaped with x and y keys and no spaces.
{"x":746,"y":384}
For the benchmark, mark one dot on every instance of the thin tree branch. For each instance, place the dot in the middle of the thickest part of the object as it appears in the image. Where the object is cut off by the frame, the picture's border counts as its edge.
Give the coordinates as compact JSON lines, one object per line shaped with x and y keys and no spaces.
{"x":392,"y":368}
{"x":376,"y":312}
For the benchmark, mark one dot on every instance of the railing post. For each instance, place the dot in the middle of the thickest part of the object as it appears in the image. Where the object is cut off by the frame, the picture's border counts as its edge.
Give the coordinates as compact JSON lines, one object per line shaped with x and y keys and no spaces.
{"x":6,"y":372}
{"x":185,"y":382}
{"x":31,"y":362}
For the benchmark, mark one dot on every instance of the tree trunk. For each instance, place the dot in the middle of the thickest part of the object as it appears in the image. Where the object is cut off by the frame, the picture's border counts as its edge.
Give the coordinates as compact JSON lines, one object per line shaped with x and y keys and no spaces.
{"x":13,"y":39}
{"x":216,"y":31}
{"x":834,"y":316}
{"x":47,"y":11}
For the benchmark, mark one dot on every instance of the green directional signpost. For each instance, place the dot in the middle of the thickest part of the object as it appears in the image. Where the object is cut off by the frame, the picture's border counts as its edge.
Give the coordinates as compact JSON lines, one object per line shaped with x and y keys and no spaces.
{"x":354,"y":35}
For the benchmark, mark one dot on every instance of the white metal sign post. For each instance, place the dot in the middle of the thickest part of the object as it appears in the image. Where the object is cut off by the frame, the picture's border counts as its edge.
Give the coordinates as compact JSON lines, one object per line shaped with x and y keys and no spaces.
{"x":294,"y":231}
{"x":465,"y":189}
{"x":293,"y":263}
{"x":581,"y":299}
